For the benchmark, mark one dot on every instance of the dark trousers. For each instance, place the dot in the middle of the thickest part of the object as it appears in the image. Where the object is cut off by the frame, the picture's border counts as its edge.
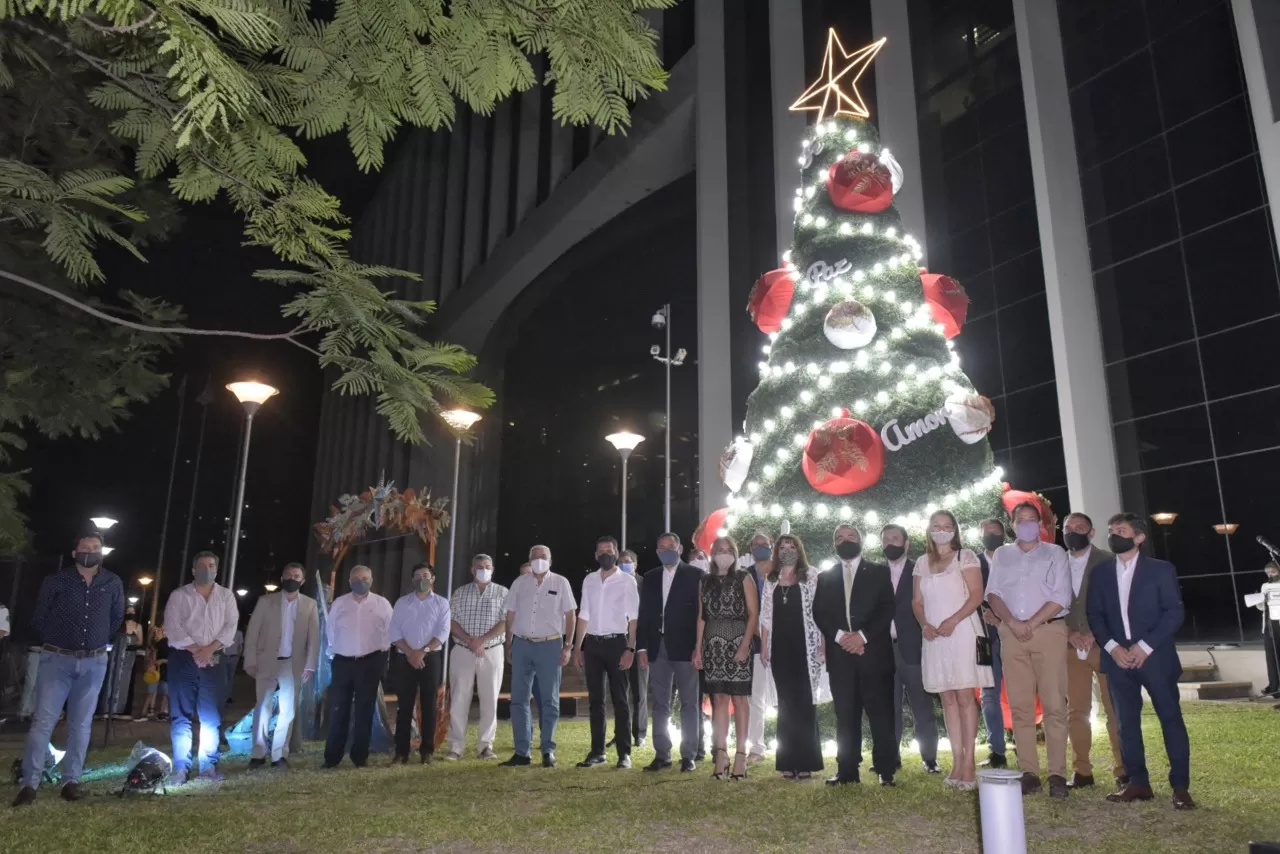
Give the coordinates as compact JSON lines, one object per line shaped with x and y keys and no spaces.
{"x":1271,"y":644}
{"x":908,"y":680}
{"x":194,"y":690}
{"x":857,"y":688}
{"x":601,"y":656}
{"x":639,"y":678}
{"x":412,"y":684}
{"x":1126,"y":695}
{"x":353,"y":696}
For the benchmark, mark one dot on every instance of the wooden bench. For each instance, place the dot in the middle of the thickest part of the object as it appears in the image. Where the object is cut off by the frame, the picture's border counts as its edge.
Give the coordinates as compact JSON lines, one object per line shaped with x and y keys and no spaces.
{"x":568,"y":704}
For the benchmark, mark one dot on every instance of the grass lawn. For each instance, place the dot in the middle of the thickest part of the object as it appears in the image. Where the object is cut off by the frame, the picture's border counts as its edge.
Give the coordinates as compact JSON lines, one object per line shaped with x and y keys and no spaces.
{"x":474,"y":806}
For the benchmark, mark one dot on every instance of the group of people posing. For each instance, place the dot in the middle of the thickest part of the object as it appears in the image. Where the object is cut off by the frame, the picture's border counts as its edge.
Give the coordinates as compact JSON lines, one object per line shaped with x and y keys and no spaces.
{"x":751,"y":631}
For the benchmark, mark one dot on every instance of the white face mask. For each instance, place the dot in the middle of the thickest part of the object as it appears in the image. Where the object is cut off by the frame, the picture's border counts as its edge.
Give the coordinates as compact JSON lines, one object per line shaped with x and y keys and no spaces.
{"x":942,"y":537}
{"x":483,"y":575}
{"x":724,"y":561}
{"x":700,"y":563}
{"x":540,"y":565}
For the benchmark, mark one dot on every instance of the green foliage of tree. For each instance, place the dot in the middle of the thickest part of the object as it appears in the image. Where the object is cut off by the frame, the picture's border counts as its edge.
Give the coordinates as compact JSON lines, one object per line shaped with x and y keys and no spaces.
{"x":113,"y":110}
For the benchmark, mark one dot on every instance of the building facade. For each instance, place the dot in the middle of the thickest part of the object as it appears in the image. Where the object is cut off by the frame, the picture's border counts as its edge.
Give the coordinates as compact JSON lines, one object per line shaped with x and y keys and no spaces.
{"x":1097,"y":174}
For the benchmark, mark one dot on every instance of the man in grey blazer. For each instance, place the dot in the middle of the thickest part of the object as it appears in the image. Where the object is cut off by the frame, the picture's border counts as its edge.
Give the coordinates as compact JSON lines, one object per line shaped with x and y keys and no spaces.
{"x":1084,"y":657}
{"x":281,"y":652}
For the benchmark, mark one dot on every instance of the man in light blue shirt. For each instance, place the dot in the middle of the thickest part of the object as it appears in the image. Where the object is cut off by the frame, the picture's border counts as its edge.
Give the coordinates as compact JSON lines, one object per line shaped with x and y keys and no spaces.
{"x":418,"y":632}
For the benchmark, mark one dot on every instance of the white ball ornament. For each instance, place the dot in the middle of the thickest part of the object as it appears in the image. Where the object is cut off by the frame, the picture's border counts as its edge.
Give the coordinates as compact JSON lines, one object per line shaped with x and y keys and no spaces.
{"x":970,"y":415}
{"x":895,"y":169}
{"x":734,"y":464}
{"x":849,"y":325}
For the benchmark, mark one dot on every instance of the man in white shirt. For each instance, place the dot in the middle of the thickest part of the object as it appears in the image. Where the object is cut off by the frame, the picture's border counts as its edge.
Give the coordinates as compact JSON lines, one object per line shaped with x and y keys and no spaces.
{"x":358,"y":634}
{"x":478,"y":612}
{"x":200,"y":620}
{"x":606,"y":649}
{"x":540,"y":623}
{"x":1030,"y":591}
{"x":281,"y":653}
{"x":756,"y":561}
{"x":419,"y":631}
{"x":1083,"y":657}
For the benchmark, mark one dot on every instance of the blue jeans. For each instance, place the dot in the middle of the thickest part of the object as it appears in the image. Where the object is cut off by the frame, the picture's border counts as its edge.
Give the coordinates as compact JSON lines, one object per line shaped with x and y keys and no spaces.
{"x":194,"y":690}
{"x":63,"y":680}
{"x":991,"y":711}
{"x":530,"y":661}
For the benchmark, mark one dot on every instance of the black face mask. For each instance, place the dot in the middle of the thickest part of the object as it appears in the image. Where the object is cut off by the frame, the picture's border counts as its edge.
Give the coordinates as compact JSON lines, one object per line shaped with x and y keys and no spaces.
{"x":1076,"y":541}
{"x":606,"y":561}
{"x":291,"y":585}
{"x":848,"y":549}
{"x":894,"y":552}
{"x":1119,"y":545}
{"x":88,"y":559}
{"x":991,"y":542}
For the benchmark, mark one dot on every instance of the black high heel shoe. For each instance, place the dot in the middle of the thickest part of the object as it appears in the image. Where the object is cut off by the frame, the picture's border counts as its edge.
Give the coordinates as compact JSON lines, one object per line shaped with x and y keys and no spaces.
{"x":720,"y":775}
{"x":743,"y":775}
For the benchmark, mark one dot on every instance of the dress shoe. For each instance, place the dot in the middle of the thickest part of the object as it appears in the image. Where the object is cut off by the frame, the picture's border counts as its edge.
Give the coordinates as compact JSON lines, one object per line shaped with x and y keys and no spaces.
{"x":1030,"y":784}
{"x":687,"y":765}
{"x":255,"y":764}
{"x":591,"y":761}
{"x":452,"y":757}
{"x":624,"y":762}
{"x":887,"y":780}
{"x":426,"y":758}
{"x":995,"y":760}
{"x":754,"y":759}
{"x":72,"y":792}
{"x":516,"y":761}
{"x":211,"y":775}
{"x":548,"y":760}
{"x":931,"y":768}
{"x":281,"y":764}
{"x":487,"y":753}
{"x":1122,"y":781}
{"x":1182,"y":800}
{"x":1130,"y":793}
{"x":1058,"y":787}
{"x":26,"y":797}
{"x":658,"y":765}
{"x":838,"y":780}
{"x":1081,"y":781}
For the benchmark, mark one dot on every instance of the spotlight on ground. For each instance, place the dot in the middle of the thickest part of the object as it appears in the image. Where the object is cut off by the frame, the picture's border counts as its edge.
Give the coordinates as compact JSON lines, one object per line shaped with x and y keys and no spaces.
{"x":147,"y":769}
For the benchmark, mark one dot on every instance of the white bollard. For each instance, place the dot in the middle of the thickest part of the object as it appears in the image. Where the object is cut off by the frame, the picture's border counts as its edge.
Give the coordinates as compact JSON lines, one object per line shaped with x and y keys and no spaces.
{"x":1000,"y":798}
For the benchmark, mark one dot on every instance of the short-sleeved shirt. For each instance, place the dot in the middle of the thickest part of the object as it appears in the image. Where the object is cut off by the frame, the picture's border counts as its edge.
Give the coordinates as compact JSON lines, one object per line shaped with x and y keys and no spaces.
{"x":477,"y":611}
{"x":540,"y":608}
{"x":609,"y":604}
{"x":1025,"y":581}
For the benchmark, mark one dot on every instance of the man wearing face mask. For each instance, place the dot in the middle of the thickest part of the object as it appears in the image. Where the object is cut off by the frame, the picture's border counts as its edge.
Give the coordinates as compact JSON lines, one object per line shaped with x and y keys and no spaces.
{"x":666,"y":634}
{"x":1271,"y":634}
{"x":606,"y":649}
{"x":1083,"y":659}
{"x":358,"y":631}
{"x":419,"y":630}
{"x":853,"y":607}
{"x":75,"y":614}
{"x":478,"y":611}
{"x":908,"y":643}
{"x":637,"y":676}
{"x":756,"y":561}
{"x":200,"y":621}
{"x":993,"y":537}
{"x":541,"y":615}
{"x":1030,"y":590}
{"x":281,"y":653}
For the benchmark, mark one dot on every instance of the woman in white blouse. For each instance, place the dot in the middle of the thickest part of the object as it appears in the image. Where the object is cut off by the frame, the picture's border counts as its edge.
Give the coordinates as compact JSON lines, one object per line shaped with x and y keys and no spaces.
{"x":947,"y":590}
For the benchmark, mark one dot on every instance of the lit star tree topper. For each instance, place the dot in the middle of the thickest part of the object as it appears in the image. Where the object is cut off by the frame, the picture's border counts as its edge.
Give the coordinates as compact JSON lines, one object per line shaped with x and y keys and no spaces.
{"x":862,"y":414}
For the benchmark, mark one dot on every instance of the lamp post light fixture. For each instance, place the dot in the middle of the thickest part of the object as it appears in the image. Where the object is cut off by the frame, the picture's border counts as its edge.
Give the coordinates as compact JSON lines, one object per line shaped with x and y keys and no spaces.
{"x":459,"y":421}
{"x":103,"y":523}
{"x":133,"y":600}
{"x":662,"y":320}
{"x":271,"y":588}
{"x":241,"y":592}
{"x":251,"y":396}
{"x":625,"y":443}
{"x":106,"y":550}
{"x":1164,"y":520}
{"x":145,"y":580}
{"x":1226,"y":528}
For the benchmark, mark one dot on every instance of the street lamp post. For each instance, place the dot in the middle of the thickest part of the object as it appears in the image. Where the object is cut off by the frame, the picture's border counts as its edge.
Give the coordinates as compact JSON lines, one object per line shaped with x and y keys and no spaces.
{"x":662,"y":320}
{"x":1164,"y":520}
{"x":251,"y":396}
{"x":145,"y":581}
{"x":460,"y":421}
{"x":625,"y":443}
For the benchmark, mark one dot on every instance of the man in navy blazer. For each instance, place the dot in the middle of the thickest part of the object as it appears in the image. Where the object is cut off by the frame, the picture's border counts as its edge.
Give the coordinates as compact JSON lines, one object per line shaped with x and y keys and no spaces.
{"x":1134,"y":609}
{"x":666,"y":633}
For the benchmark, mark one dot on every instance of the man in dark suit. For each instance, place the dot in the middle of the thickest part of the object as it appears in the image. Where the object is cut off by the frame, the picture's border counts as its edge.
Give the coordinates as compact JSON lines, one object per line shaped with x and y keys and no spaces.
{"x":666,"y":633}
{"x":853,"y":607}
{"x":993,"y":537}
{"x":1134,"y":609}
{"x":908,"y":642}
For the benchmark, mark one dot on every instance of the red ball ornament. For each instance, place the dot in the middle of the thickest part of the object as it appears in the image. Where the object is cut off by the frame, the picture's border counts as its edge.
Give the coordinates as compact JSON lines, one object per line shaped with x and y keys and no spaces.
{"x":948,"y":303}
{"x":770,"y":298}
{"x":1048,"y":521}
{"x":842,"y":456}
{"x":859,"y":182}
{"x":709,"y":529}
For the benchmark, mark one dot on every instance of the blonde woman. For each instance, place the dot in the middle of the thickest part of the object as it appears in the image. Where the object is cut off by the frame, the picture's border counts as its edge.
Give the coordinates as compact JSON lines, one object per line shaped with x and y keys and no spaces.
{"x":947,"y":590}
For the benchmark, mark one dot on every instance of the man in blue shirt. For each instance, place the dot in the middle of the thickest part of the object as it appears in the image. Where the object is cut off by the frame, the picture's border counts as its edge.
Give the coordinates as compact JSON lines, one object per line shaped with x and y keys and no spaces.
{"x":75,"y":615}
{"x":419,"y":630}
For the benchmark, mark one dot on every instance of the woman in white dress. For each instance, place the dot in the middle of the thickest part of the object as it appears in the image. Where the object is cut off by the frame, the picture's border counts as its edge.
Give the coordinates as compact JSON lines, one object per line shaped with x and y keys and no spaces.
{"x":947,"y":590}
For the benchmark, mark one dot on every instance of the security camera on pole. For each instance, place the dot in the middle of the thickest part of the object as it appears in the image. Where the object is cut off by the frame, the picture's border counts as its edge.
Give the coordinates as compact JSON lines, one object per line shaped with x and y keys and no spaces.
{"x":662,"y":320}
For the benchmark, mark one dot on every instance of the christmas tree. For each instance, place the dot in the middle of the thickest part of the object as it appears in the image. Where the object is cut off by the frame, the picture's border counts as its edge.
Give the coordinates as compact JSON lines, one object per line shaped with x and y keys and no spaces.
{"x":863,"y":414}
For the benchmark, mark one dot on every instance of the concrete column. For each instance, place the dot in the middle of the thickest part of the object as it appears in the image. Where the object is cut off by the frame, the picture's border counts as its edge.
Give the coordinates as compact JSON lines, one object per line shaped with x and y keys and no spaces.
{"x":715,"y":369}
{"x":1093,"y":483}
{"x":477,"y":175}
{"x":896,"y":109}
{"x":499,"y":176}
{"x":561,"y":154}
{"x":451,"y":250}
{"x":786,"y":80}
{"x":527,"y":158}
{"x":1258,"y":32}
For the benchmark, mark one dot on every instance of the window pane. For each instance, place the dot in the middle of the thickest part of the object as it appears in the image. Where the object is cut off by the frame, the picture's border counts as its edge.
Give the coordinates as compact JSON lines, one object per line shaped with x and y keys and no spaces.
{"x":1038,"y":467}
{"x":1131,"y":231}
{"x":1033,"y":414}
{"x":1154,"y":383}
{"x":1211,"y":610}
{"x":1115,"y":111}
{"x":1233,"y":362}
{"x":1222,"y":194}
{"x":1019,"y":277}
{"x":1164,"y":440}
{"x":1232,"y":272}
{"x":1025,"y":346}
{"x":1135,"y":176}
{"x":1126,"y":294}
{"x":1247,"y":423}
{"x":1197,"y":66}
{"x":1248,"y":487}
{"x":1191,"y":492}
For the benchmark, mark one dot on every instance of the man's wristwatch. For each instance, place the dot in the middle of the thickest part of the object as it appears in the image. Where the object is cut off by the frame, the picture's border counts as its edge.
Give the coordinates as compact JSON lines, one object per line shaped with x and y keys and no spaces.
{"x":631,"y":649}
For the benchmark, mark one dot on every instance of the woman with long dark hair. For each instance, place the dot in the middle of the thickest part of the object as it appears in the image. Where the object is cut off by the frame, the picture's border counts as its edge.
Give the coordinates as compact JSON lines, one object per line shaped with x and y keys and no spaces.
{"x":791,"y":647}
{"x":727,"y":619}
{"x":945,"y":598}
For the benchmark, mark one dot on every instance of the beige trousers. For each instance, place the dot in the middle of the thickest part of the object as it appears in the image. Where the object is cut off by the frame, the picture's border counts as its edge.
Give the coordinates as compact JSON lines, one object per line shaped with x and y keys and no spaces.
{"x":288,"y":707}
{"x":467,"y":672}
{"x":1080,"y":706}
{"x":1038,"y":667}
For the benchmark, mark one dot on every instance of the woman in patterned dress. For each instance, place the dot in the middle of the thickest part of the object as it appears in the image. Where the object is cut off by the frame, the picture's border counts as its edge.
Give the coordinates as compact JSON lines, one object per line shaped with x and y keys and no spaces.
{"x":727,"y":618}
